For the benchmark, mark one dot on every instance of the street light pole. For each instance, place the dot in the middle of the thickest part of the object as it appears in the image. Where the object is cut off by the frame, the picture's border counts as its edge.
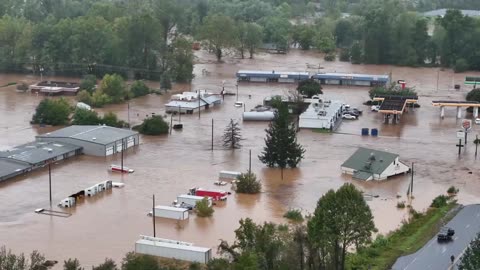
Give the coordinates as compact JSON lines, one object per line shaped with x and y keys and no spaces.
{"x":237,"y":89}
{"x":50,"y":182}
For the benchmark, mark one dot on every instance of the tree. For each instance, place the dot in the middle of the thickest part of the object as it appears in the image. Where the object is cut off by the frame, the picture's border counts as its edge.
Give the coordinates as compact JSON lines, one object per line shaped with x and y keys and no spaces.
{"x":356,"y":53}
{"x":9,"y":260}
{"x":218,"y":264}
{"x":72,"y":264}
{"x":344,"y":32}
{"x":154,"y":125}
{"x":114,"y":87}
{"x":281,"y":147}
{"x":85,"y":97}
{"x":203,"y":209}
{"x":88,"y":83}
{"x":391,"y":91}
{"x":139,"y":88}
{"x":325,"y":43}
{"x":309,"y":88}
{"x":278,"y":32}
{"x":165,"y":81}
{"x":53,"y":112}
{"x":341,"y":219}
{"x":471,"y":258}
{"x":232,"y":136}
{"x":109,"y":264}
{"x":182,"y":61}
{"x":219,"y":32}
{"x":249,"y":37}
{"x":248,"y":183}
{"x":306,"y":36}
{"x":111,"y":119}
{"x":474,"y":95}
{"x":461,"y":65}
{"x":134,"y":261}
{"x":85,"y":117}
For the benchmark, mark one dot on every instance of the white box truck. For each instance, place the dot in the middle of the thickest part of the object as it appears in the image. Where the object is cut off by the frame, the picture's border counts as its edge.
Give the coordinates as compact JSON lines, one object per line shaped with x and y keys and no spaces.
{"x":229,"y":175}
{"x":173,"y":249}
{"x":191,"y":200}
{"x":170,"y":212}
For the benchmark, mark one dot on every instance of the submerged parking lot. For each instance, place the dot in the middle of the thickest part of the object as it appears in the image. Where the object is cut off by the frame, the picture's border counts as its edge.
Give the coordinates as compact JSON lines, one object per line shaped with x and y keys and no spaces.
{"x":169,"y":165}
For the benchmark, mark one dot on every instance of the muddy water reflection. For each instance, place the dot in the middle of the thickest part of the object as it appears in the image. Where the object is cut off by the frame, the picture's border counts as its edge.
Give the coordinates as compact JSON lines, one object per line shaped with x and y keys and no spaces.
{"x":108,"y":226}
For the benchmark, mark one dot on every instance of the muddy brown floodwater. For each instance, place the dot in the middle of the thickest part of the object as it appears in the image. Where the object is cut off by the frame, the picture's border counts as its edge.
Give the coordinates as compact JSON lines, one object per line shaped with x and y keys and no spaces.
{"x":109,"y":225}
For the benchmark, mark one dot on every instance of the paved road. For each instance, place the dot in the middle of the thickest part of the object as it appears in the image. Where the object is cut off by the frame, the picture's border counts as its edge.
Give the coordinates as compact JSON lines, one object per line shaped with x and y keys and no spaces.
{"x":436,"y":256}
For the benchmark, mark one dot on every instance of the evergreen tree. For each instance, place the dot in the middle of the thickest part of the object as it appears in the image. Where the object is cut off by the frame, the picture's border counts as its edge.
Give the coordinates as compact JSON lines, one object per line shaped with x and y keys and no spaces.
{"x":248,"y":183}
{"x":232,"y":136}
{"x":281,"y":147}
{"x":471,"y":258}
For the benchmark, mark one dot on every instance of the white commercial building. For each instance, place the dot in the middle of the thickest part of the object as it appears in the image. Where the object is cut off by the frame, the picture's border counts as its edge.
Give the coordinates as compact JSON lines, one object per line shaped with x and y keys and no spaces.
{"x":190,"y":102}
{"x":95,"y":140}
{"x":321,"y":114}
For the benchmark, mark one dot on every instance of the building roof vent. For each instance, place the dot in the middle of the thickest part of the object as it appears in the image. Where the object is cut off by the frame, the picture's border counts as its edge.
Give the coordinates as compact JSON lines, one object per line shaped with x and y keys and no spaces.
{"x":93,"y":139}
{"x":372,"y":157}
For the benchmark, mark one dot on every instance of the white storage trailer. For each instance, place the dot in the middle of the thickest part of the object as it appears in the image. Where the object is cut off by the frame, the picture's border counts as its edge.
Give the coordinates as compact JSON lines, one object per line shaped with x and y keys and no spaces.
{"x":172,"y":249}
{"x":229,"y":175}
{"x":170,"y":212}
{"x":258,"y":116}
{"x":192,"y":200}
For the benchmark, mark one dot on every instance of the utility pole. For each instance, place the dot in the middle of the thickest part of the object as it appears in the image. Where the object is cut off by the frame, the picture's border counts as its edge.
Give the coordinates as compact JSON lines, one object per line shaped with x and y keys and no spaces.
{"x":237,"y":89}
{"x":476,"y":145}
{"x":128,"y":112}
{"x":459,"y":145}
{"x":250,"y":162}
{"x":198,"y":104}
{"x":50,"y":182}
{"x":212,"y":134}
{"x":122,"y":153}
{"x":171,"y":123}
{"x":153,"y":217}
{"x":438,"y":77}
{"x":411,"y":182}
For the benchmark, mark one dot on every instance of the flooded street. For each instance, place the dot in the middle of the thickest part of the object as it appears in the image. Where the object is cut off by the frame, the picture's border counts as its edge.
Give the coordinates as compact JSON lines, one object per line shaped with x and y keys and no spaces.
{"x":108,"y":225}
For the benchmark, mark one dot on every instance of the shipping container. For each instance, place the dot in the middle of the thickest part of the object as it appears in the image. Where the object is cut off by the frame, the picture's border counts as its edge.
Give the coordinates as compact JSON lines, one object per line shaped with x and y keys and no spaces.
{"x":172,"y":249}
{"x":229,"y":175}
{"x":170,"y":212}
{"x":192,"y":200}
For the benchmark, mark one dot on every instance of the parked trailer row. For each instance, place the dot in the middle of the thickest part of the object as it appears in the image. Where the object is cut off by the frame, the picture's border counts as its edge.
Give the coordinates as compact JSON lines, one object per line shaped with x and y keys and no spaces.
{"x":172,"y":249}
{"x":216,"y":195}
{"x":191,"y":200}
{"x":71,"y":200}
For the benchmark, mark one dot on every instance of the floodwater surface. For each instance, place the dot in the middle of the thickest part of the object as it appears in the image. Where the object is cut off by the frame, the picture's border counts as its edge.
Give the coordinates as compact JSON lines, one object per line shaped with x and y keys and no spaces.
{"x":109,"y":224}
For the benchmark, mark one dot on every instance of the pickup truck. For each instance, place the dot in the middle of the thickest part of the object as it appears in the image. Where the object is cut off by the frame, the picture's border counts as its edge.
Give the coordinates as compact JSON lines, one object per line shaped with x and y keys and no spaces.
{"x":445,"y":234}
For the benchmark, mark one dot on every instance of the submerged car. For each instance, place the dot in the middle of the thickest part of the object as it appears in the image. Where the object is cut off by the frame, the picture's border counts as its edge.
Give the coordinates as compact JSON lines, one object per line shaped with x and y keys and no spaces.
{"x":445,"y":234}
{"x":375,"y":108}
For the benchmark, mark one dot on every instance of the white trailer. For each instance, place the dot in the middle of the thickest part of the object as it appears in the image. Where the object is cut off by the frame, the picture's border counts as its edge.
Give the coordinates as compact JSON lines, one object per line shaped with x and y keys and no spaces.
{"x":67,"y":202}
{"x":170,"y":212}
{"x":258,"y":116}
{"x":192,"y":200}
{"x":172,"y":249}
{"x":229,"y":175}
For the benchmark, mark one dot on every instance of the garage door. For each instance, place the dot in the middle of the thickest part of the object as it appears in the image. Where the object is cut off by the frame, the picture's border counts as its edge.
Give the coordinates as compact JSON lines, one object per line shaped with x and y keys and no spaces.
{"x":130,"y":142}
{"x":119,"y":147}
{"x":109,"y":151}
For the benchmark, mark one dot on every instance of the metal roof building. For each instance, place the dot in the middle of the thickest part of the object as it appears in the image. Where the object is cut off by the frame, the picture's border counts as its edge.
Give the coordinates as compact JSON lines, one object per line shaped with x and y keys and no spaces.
{"x":188,"y":102}
{"x":321,"y":114}
{"x":95,"y":140}
{"x":351,"y":79}
{"x":271,"y":76}
{"x":369,"y":164}
{"x":34,"y":155}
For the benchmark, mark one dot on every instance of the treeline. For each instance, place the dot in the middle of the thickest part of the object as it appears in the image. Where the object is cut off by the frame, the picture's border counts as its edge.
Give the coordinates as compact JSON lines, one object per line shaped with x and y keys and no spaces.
{"x":131,"y":38}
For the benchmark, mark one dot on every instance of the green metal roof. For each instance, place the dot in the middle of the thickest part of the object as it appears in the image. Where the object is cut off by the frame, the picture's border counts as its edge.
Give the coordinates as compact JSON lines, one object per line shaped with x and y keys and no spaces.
{"x":362,"y":175}
{"x":369,"y":161}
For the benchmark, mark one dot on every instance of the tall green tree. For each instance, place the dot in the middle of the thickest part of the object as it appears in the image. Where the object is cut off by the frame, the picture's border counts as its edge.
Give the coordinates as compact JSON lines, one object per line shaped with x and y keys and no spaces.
{"x":309,"y":88}
{"x":53,"y":112}
{"x":281,"y":146}
{"x":342,"y":219}
{"x":113,"y":86}
{"x":72,"y":264}
{"x":232,"y":135}
{"x":218,"y":31}
{"x":249,"y":37}
{"x":133,"y":261}
{"x":181,"y":60}
{"x":471,"y":258}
